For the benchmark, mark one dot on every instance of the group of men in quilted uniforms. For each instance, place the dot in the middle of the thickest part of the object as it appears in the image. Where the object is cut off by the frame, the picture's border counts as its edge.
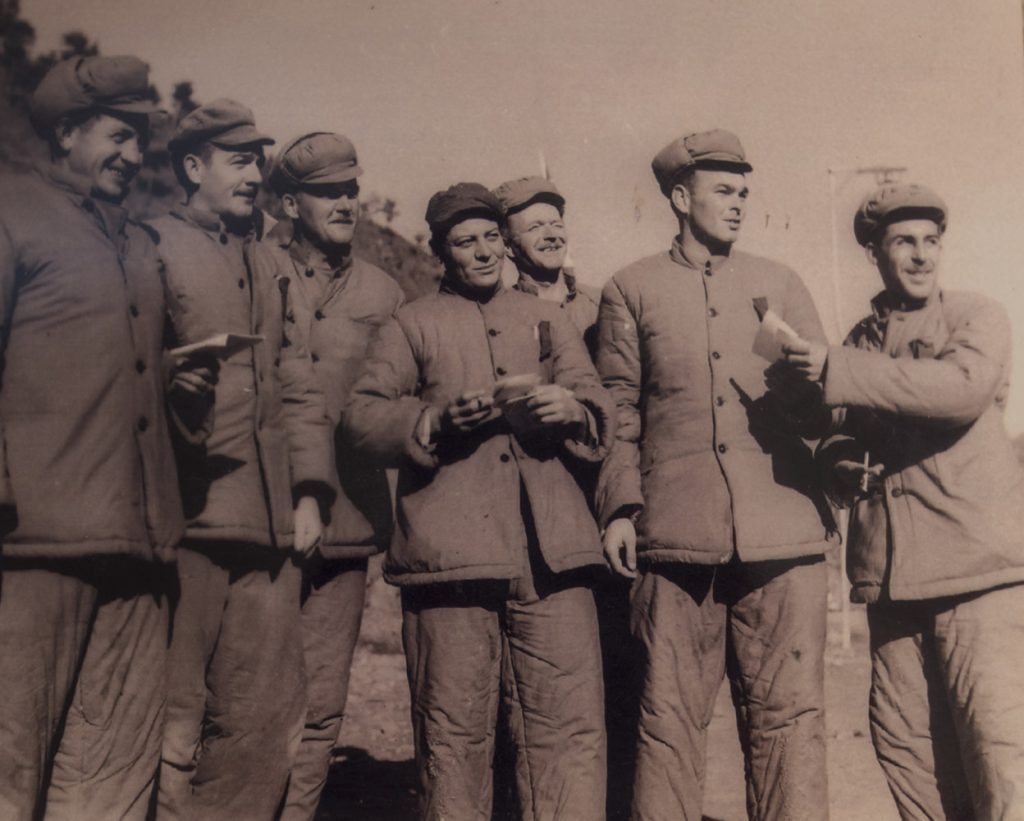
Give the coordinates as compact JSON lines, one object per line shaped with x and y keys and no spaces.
{"x":197,"y":415}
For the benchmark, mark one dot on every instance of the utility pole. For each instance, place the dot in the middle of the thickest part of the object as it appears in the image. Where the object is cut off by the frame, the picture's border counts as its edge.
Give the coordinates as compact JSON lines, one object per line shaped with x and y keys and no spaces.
{"x":837,"y":178}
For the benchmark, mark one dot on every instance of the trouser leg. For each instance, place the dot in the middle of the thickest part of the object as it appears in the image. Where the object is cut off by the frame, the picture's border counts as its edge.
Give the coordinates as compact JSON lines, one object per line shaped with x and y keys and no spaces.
{"x":555,"y":660}
{"x":332,"y":610}
{"x":911,"y":725}
{"x":980,"y":641}
{"x":680,"y":630}
{"x":255,"y":694}
{"x":776,"y":664}
{"x":452,"y":642}
{"x":45,"y":618}
{"x":109,"y":752}
{"x":202,"y":586}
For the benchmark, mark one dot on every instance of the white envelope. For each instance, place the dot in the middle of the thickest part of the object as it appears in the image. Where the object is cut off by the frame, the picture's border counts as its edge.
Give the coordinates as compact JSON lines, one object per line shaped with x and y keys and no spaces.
{"x":772,"y":335}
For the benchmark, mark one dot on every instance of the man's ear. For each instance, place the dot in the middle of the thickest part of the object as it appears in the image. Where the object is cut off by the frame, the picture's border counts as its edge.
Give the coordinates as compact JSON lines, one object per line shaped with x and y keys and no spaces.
{"x":64,"y":135}
{"x":871,"y":251}
{"x":680,"y":198}
{"x":194,"y":168}
{"x":290,"y":206}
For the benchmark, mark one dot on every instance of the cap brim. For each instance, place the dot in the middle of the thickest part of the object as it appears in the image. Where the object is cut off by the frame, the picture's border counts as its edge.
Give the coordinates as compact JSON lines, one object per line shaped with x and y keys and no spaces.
{"x":556,"y":200}
{"x":332,"y":176}
{"x":240,"y":135}
{"x":723,"y":162}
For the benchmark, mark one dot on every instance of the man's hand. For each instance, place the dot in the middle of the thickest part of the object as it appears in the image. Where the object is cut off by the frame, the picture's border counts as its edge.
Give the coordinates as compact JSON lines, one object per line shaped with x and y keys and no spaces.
{"x":467,"y":412}
{"x":195,"y":375}
{"x":806,"y":359}
{"x":308,"y":527}
{"x":555,"y":405}
{"x":620,"y":547}
{"x":850,"y":477}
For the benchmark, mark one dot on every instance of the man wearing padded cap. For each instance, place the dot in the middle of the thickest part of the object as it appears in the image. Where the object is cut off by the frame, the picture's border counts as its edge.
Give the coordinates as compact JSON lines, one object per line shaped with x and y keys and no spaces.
{"x":538,"y":243}
{"x":476,"y":394}
{"x":89,"y":507}
{"x":708,"y":500}
{"x":936,"y":539}
{"x":254,"y":494}
{"x":336,"y":304}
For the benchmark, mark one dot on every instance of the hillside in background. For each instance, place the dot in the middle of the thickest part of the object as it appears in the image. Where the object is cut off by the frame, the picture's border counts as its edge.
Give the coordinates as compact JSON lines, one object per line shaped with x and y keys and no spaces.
{"x":155,"y":190}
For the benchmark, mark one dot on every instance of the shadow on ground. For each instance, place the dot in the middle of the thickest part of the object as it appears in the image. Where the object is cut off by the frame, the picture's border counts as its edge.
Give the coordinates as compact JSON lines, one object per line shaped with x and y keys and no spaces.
{"x":361,"y":788}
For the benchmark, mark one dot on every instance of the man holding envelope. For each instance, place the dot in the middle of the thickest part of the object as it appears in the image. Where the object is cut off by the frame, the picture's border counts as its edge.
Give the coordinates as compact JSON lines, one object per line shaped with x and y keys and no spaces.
{"x":481,"y":396}
{"x":708,"y":499}
{"x":935,"y":543}
{"x":253,"y":494}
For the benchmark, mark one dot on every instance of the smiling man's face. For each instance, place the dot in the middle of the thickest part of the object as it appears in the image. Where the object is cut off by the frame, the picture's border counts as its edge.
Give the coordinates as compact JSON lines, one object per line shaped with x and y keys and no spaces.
{"x":227,"y":180}
{"x":107,"y":150}
{"x":537,"y":237}
{"x":474,"y":250}
{"x":907,"y":255}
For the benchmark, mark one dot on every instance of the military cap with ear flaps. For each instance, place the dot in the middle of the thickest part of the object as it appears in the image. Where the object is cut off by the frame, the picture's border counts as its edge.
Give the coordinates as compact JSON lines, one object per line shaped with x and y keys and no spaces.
{"x":462,"y":200}
{"x":717,"y":148}
{"x":893,"y":202}
{"x":515,"y":195}
{"x":119,"y":85}
{"x":318,"y":158}
{"x":223,"y":122}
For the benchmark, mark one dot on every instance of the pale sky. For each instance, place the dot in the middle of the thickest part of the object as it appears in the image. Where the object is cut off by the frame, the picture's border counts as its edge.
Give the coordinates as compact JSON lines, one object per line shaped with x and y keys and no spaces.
{"x":438,"y":91}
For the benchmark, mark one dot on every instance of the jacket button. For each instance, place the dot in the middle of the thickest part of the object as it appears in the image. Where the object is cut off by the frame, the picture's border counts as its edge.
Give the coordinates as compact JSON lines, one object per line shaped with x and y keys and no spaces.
{"x":719,"y":400}
{"x":241,"y":283}
{"x":315,"y":357}
{"x":309,"y":272}
{"x":500,"y":371}
{"x":712,"y":312}
{"x":319,"y":314}
{"x":142,"y":424}
{"x":897,"y":492}
{"x":223,"y":239}
{"x":707,"y":270}
{"x":505,"y":457}
{"x":722,"y":448}
{"x":716,"y":355}
{"x":491,"y":332}
{"x":140,"y":366}
{"x":133,"y":310}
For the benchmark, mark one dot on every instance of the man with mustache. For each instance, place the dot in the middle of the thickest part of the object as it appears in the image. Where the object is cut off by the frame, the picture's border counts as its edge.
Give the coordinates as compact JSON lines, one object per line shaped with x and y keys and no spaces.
{"x":710,"y":488}
{"x":494,"y":538}
{"x":936,"y":539}
{"x":236,"y":689}
{"x":89,"y":506}
{"x":337,"y":303}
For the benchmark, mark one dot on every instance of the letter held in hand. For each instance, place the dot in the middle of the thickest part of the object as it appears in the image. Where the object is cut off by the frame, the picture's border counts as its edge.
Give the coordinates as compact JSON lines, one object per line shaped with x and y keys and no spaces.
{"x":219,"y":345}
{"x":772,"y":335}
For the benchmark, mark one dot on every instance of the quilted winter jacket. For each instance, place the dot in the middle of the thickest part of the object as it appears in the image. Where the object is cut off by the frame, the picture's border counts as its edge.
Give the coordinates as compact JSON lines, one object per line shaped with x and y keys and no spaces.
{"x":270,"y":441}
{"x":338,"y":326}
{"x":459,"y":514}
{"x":924,"y":392}
{"x":702,"y":449}
{"x":87,"y":462}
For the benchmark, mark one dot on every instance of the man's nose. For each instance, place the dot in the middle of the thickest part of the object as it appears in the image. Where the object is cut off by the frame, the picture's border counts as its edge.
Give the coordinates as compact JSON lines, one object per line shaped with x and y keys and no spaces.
{"x":131,"y":152}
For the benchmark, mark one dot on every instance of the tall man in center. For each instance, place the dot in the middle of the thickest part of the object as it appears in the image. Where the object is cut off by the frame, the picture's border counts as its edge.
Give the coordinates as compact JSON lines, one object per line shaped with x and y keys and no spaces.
{"x":236,"y":689}
{"x":708,"y":488}
{"x":337,"y":303}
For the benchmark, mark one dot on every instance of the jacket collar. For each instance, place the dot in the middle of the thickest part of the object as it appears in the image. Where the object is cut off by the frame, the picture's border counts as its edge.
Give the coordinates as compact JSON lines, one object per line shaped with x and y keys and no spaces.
{"x":885,"y":303}
{"x":528,"y":285}
{"x":283,"y":235}
{"x":211,"y":224}
{"x":450,"y":286}
{"x":78,"y":188}
{"x":679,"y":256}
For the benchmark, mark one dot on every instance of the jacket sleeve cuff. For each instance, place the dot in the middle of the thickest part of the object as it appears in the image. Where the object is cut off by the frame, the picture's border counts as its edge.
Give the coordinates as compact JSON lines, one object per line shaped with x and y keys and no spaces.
{"x":593,"y":444}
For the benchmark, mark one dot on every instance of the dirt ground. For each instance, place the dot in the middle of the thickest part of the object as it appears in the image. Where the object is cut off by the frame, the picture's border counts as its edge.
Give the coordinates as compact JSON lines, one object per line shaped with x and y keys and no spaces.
{"x":373,"y":779}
